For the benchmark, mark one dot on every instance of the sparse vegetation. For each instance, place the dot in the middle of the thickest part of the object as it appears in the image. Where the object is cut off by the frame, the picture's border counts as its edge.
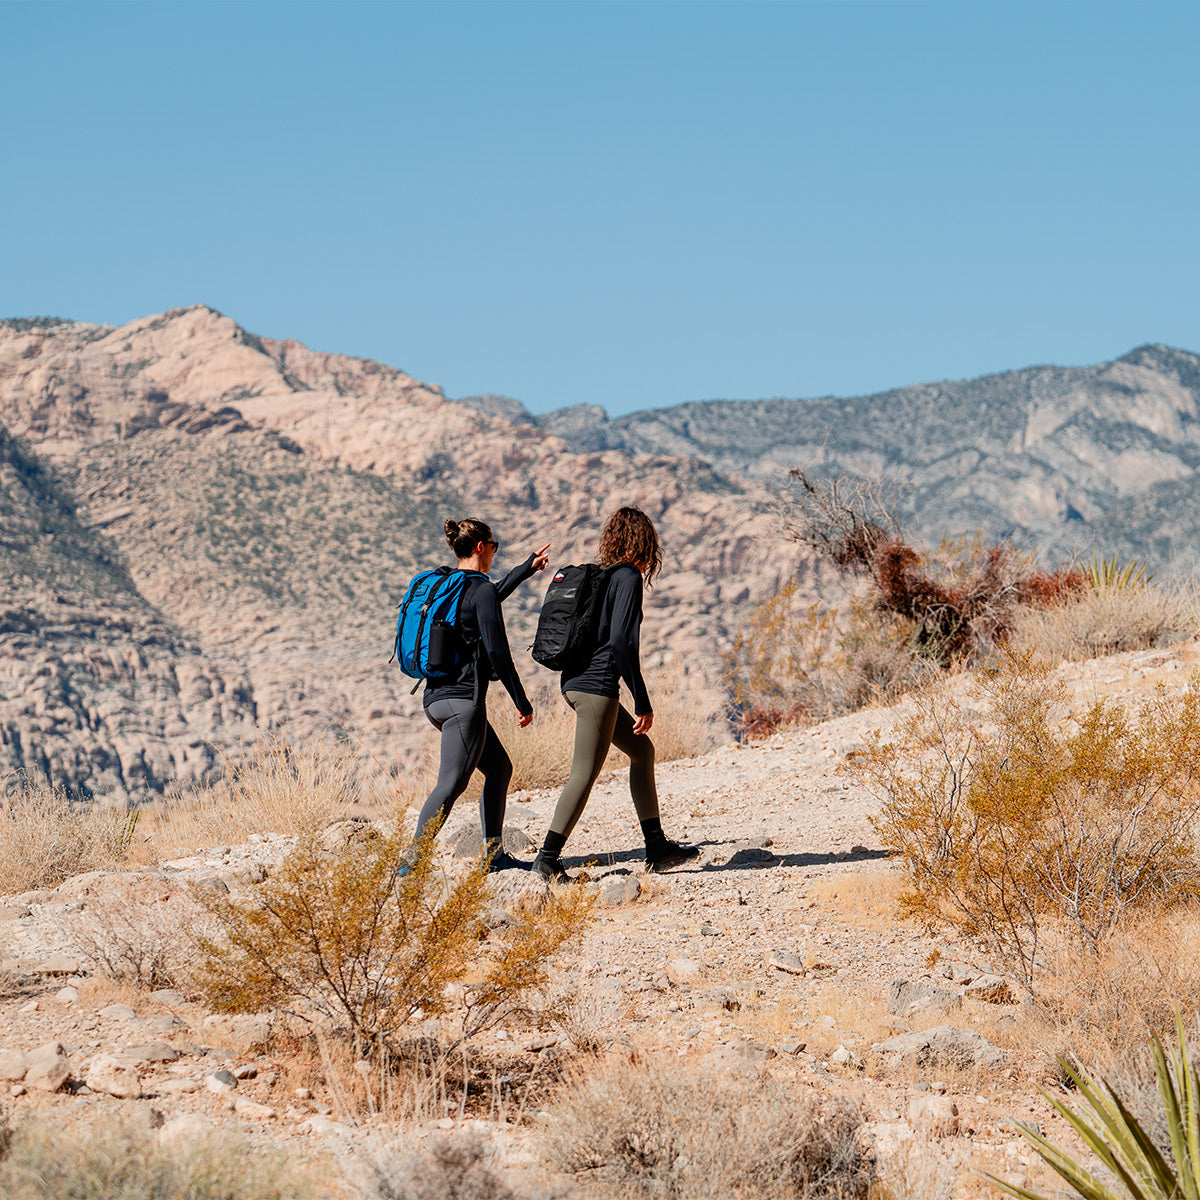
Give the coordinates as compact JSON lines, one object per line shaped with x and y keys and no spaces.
{"x":1028,"y":816}
{"x":365,"y":938}
{"x":46,"y":836}
{"x":658,"y":1129}
{"x":120,"y":1162}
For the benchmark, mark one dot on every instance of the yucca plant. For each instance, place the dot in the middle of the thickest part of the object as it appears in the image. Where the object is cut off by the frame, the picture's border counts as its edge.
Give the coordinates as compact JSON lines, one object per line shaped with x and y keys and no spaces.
{"x":1112,"y":573}
{"x":1122,"y":1143}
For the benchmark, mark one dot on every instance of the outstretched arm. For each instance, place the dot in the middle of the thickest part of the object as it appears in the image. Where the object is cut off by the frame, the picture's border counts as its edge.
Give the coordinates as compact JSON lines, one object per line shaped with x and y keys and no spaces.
{"x":535,"y":562}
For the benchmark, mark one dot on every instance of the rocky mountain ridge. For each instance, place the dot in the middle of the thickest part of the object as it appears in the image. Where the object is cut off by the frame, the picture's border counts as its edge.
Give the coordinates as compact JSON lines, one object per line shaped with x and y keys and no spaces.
{"x":263,"y":505}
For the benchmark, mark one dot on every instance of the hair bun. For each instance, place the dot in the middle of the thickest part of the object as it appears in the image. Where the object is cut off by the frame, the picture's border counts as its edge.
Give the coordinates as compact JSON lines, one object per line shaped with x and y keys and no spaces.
{"x":452,"y":528}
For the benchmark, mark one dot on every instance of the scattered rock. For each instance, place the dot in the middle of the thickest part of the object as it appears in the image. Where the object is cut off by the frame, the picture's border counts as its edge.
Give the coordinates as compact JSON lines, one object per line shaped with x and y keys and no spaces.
{"x":468,"y":842}
{"x":118,"y":1012}
{"x":935,"y":1115}
{"x":903,"y":997}
{"x":616,"y":890}
{"x":993,"y":989}
{"x":941,"y":1046}
{"x":48,"y":1067}
{"x":59,"y":964}
{"x":684,"y":972}
{"x":177,"y":1087}
{"x":67,"y":995}
{"x":793,"y":1048}
{"x":842,"y":1057}
{"x":148,"y":1052}
{"x":785,"y":960}
{"x":252,"y":1110}
{"x":353,"y":831}
{"x":184,"y":1128}
{"x":242,"y":1031}
{"x":725,"y":998}
{"x":13,"y":1065}
{"x":323,"y":1126}
{"x":168,"y":996}
{"x":221,"y":1082}
{"x":751,"y":856}
{"x":114,"y":1076}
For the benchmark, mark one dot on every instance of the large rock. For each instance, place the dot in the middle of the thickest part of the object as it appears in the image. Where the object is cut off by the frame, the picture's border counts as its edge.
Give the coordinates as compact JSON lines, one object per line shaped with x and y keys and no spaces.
{"x":48,"y":1067}
{"x":904,"y":996}
{"x":114,"y":1076}
{"x":943,"y":1046}
{"x":935,"y":1115}
{"x":992,"y":989}
{"x":241,"y":1031}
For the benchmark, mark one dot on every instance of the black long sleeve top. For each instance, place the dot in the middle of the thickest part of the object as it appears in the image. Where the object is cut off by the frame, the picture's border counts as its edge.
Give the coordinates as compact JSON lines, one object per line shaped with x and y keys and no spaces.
{"x":481,"y":624}
{"x":617,"y":654}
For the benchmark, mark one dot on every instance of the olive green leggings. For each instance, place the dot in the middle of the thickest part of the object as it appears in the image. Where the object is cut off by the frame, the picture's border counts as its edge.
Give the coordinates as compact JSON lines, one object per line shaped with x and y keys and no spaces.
{"x":601,"y":722}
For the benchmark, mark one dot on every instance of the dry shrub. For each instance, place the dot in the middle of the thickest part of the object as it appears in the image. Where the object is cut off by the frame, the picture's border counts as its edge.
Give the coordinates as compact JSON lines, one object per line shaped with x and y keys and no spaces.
{"x":274,"y":788}
{"x":920,"y":1169}
{"x":1039,"y":818}
{"x":46,"y":837}
{"x":368,"y":937}
{"x":1107,"y":620}
{"x":461,"y":1167}
{"x":114,"y":1161}
{"x":1101,"y":1008}
{"x":147,"y":942}
{"x":663,"y":1129}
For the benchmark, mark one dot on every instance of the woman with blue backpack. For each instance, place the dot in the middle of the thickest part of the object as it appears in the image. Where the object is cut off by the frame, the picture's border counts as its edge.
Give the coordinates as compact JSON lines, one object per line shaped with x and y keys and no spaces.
{"x":629,"y":555}
{"x":455,"y":699}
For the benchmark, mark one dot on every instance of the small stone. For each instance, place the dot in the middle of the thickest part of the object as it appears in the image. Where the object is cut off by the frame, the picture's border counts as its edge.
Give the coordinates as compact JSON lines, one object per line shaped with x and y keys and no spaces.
{"x":168,"y":996}
{"x":542,"y":1043}
{"x":13,"y":1065}
{"x":114,"y":1076}
{"x":165,"y":1023}
{"x":935,"y":1115}
{"x":755,"y":1052}
{"x":709,"y":931}
{"x":221,"y":1082}
{"x":684,"y":972}
{"x":905,"y":997}
{"x":252,"y":1110}
{"x":323,"y":1126}
{"x":118,"y":1012}
{"x":67,"y":995}
{"x":48,"y":1067}
{"x":991,"y":989}
{"x":32,"y":1006}
{"x":617,"y":890}
{"x":751,"y":856}
{"x":843,"y":1057}
{"x":249,"y":1071}
{"x":185,"y":1127}
{"x":303,"y":1093}
{"x":793,"y":1048}
{"x":784,"y":960}
{"x":18,"y":1089}
{"x":240,"y":1030}
{"x":177,"y":1087}
{"x":148,"y":1052}
{"x":59,"y":964}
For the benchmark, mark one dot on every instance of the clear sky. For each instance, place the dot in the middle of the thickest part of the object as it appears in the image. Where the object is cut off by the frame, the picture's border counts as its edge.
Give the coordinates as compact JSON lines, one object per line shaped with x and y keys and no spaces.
{"x":627,"y":204}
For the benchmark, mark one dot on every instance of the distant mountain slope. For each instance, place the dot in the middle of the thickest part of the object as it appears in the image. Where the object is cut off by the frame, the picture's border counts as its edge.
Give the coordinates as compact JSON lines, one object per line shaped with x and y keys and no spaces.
{"x":267,"y":504}
{"x":1044,"y":454}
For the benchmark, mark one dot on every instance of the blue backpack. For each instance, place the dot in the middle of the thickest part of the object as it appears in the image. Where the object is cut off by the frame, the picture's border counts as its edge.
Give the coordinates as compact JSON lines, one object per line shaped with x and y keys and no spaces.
{"x":427,"y":642}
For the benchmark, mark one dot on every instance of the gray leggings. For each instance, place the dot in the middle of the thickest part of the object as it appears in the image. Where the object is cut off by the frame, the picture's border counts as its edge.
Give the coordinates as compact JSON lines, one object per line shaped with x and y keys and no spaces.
{"x":601,"y":722}
{"x":468,"y":742}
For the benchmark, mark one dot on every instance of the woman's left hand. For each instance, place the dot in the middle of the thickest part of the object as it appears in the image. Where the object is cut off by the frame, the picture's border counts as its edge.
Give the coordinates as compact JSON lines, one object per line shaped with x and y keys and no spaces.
{"x":541,"y":558}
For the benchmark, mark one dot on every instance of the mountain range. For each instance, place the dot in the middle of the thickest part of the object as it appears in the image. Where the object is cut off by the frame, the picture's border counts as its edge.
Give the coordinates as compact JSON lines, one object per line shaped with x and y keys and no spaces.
{"x":204,"y":533}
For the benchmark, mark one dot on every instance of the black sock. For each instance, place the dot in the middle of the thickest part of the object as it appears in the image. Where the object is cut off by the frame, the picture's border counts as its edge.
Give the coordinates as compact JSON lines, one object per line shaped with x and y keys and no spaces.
{"x":652,"y":831}
{"x":552,"y":847}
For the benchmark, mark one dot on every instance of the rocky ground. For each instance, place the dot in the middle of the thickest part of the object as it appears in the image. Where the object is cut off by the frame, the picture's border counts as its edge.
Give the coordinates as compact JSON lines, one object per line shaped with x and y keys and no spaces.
{"x":777,"y":953}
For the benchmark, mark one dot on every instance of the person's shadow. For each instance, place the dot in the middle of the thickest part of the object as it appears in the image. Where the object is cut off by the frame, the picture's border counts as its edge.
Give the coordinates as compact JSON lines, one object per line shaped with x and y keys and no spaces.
{"x":743,"y":859}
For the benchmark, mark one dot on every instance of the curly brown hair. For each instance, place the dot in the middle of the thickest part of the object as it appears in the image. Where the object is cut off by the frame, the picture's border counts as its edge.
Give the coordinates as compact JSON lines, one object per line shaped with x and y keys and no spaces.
{"x":629,"y":537}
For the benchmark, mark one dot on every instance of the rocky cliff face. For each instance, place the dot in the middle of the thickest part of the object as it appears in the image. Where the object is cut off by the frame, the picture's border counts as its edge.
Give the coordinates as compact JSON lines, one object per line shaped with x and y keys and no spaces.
{"x":246,"y":513}
{"x":1061,"y":457}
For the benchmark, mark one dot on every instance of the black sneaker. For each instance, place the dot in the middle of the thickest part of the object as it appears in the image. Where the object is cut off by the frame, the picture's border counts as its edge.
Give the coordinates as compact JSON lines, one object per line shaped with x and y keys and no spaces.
{"x":550,"y":869}
{"x":667,"y":855}
{"x":503,"y":861}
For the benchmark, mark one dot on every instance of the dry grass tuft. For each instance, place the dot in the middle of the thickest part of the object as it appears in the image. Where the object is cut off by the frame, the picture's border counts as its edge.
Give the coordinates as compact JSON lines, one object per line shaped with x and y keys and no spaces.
{"x":119,"y":1162}
{"x":274,"y":788}
{"x":1106,"y":621}
{"x":660,"y":1129}
{"x":46,"y":837}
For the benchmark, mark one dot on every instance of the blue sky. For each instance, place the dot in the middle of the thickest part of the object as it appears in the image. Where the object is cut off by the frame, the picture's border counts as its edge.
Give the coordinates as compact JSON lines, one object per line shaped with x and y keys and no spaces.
{"x":627,"y":204}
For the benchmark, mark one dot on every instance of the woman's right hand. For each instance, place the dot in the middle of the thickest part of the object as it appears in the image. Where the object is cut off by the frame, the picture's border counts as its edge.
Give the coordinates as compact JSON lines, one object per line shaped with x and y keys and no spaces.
{"x":525,"y":719}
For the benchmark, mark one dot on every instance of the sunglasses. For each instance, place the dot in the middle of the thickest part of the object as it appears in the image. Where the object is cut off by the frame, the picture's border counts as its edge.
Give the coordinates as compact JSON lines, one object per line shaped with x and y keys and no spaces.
{"x":494,"y":545}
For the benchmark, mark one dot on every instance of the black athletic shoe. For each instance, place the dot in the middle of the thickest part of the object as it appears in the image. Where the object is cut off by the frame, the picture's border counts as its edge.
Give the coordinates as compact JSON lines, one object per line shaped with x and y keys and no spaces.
{"x":550,"y":869}
{"x":667,"y":855}
{"x":503,"y":861}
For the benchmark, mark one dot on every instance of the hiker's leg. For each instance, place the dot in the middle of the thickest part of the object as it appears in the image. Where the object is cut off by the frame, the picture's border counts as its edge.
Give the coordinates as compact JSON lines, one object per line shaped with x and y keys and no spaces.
{"x":463,"y":725}
{"x":595,"y":717}
{"x":640,"y":749}
{"x":496,"y":768}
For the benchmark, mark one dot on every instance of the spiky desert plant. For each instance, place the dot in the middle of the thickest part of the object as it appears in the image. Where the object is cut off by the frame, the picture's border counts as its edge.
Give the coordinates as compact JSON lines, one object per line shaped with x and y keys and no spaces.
{"x":1111,"y":572}
{"x":1122,"y":1144}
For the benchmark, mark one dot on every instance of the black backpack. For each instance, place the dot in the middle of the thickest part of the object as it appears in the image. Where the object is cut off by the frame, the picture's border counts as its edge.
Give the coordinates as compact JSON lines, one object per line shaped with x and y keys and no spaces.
{"x":570,"y":617}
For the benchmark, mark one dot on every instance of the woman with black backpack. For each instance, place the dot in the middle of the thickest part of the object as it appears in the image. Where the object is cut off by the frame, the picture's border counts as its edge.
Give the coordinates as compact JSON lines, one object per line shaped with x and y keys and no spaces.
{"x":629,"y":551}
{"x":456,"y":705}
